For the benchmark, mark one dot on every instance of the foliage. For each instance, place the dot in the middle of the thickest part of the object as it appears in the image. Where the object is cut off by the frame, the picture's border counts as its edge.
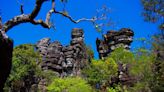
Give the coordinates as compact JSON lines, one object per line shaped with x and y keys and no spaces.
{"x":140,"y":87}
{"x":144,"y":69}
{"x":24,"y":65}
{"x":114,"y":89}
{"x":153,"y":11}
{"x":141,"y":66}
{"x":122,"y":55}
{"x":69,"y":84}
{"x":26,"y":60}
{"x":100,"y":71}
{"x":158,"y":49}
{"x":140,"y":61}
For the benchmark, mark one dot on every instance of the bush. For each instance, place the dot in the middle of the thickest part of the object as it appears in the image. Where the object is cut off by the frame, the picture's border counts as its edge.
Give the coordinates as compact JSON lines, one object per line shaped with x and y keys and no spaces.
{"x":114,"y":89}
{"x":24,"y":67}
{"x":69,"y":84}
{"x":100,"y":71}
{"x":122,"y":55}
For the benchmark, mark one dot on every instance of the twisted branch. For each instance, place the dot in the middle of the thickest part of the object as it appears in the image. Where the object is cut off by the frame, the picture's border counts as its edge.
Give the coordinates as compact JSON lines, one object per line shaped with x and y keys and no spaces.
{"x":75,"y":21}
{"x":24,"y":18}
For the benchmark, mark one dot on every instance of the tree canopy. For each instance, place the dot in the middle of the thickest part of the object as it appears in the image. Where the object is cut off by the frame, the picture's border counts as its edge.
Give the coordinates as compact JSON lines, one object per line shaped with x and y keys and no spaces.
{"x":154,"y":11}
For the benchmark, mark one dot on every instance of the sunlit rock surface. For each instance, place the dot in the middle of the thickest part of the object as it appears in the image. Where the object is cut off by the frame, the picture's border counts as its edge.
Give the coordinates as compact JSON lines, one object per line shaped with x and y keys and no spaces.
{"x":114,"y":39}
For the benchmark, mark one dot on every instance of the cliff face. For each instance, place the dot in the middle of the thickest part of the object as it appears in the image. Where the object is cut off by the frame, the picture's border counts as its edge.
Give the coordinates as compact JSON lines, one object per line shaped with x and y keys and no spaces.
{"x":64,"y":60}
{"x":113,"y":40}
{"x":6,"y":48}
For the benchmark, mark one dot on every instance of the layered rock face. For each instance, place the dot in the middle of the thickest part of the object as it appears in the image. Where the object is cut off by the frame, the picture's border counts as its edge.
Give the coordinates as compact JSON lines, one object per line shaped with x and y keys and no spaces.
{"x":64,"y":60}
{"x":113,"y":40}
{"x":6,"y":48}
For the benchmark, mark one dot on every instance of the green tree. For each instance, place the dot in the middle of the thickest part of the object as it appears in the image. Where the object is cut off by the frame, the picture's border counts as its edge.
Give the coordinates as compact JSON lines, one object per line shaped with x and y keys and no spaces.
{"x":142,"y":68}
{"x":100,"y":71}
{"x":25,"y":69}
{"x":158,"y":49}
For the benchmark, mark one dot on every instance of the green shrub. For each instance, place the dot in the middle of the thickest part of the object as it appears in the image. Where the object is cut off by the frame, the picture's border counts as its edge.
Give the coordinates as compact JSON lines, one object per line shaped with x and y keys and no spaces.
{"x":114,"y":89}
{"x":24,"y":66}
{"x":69,"y":84}
{"x":100,"y":71}
{"x":122,"y":55}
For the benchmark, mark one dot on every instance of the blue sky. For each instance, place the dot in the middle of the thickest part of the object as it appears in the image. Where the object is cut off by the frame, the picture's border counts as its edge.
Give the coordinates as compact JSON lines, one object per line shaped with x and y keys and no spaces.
{"x":125,"y":14}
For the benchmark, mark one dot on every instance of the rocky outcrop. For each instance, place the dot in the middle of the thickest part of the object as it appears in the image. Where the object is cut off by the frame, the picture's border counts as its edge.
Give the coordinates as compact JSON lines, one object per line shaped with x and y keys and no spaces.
{"x":123,"y":76}
{"x":64,"y":60}
{"x":113,"y":40}
{"x":6,"y":48}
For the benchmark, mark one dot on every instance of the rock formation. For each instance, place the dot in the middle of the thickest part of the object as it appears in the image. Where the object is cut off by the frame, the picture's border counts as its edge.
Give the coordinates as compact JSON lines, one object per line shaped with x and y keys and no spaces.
{"x":113,"y":40}
{"x":64,"y":60}
{"x":6,"y":48}
{"x":123,"y":76}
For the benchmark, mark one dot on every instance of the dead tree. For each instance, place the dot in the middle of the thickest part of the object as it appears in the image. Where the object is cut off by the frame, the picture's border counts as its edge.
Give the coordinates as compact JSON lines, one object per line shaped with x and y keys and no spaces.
{"x":6,"y":45}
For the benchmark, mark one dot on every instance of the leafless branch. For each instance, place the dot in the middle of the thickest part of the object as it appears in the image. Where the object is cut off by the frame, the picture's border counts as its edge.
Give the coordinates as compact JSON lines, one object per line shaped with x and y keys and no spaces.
{"x":75,"y":21}
{"x":24,"y":18}
{"x":48,"y":16}
{"x":40,"y":22}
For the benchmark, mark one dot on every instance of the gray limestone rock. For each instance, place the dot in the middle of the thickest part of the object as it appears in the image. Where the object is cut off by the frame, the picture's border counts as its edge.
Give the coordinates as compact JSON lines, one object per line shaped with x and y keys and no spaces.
{"x":64,"y":59}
